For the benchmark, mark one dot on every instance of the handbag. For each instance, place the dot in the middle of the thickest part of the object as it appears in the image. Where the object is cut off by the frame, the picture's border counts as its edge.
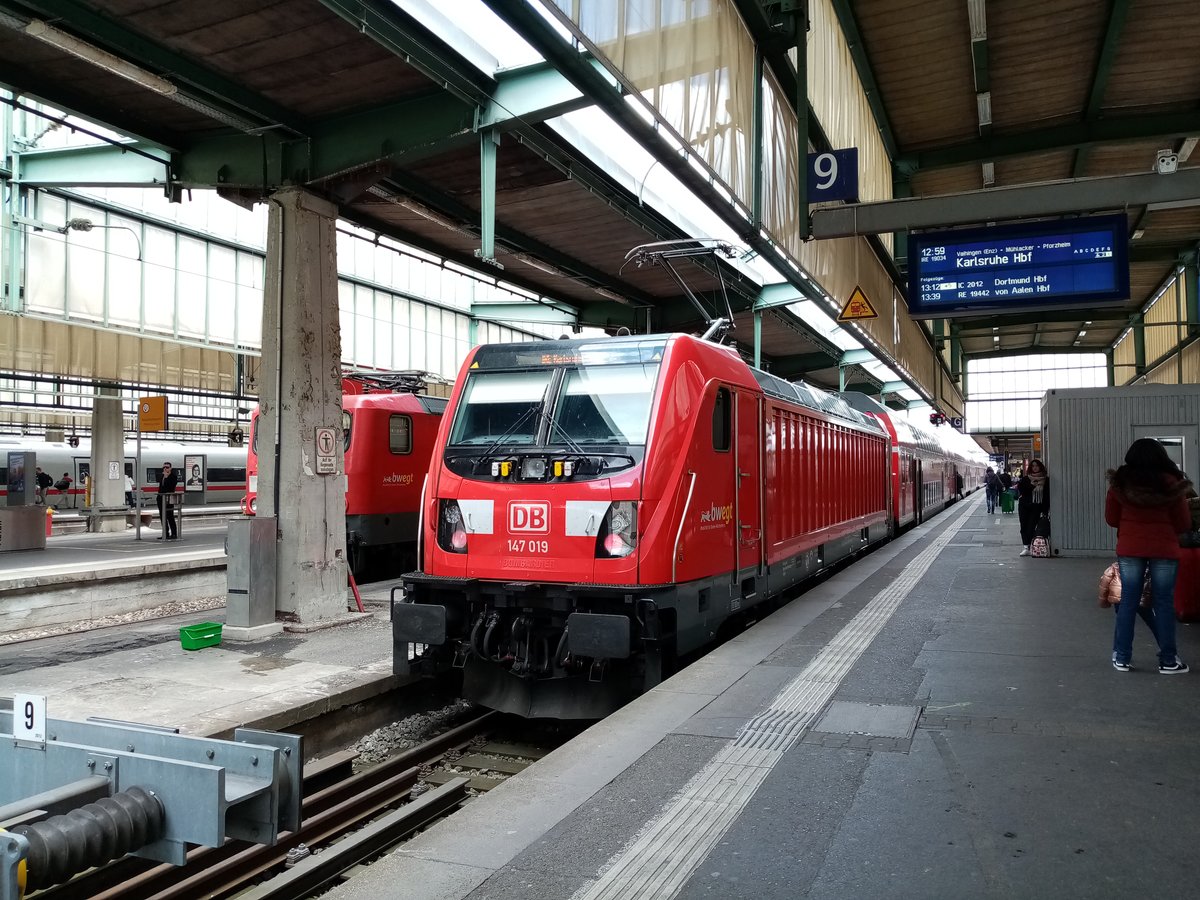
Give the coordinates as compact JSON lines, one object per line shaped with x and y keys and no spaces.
{"x":1109,"y":593}
{"x":1042,"y":528}
{"x":1040,"y":548}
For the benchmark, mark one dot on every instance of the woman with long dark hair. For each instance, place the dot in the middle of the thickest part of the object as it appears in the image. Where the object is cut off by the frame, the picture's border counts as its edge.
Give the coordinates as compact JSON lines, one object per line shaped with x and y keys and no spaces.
{"x":1147,"y":504}
{"x":1033,"y":500}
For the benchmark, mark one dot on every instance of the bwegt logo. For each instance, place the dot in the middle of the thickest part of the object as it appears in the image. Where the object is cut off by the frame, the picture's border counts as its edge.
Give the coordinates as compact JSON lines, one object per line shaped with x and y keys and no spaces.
{"x":719,"y":514}
{"x":529,"y":517}
{"x":395,"y":478}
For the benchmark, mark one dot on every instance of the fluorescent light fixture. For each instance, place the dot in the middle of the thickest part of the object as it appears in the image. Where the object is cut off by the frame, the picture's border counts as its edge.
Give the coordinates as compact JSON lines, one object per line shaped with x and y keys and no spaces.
{"x":612,"y":295}
{"x":1082,"y":334}
{"x":1088,"y":322}
{"x":419,"y":208}
{"x":995,"y":338}
{"x":540,"y":265}
{"x":983,"y":103}
{"x":989,"y":174}
{"x":48,"y":34}
{"x":1137,"y":235}
{"x":977,"y":13}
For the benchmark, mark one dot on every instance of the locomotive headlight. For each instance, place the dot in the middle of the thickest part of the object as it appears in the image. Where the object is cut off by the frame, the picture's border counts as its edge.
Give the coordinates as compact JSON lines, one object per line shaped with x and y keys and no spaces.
{"x":253,"y":504}
{"x":451,"y":533}
{"x":618,"y":532}
{"x":533,"y":467}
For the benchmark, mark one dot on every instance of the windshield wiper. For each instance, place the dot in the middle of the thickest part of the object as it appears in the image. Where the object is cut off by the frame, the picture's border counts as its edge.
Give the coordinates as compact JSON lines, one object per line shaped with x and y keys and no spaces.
{"x":521,"y":420}
{"x":572,"y":444}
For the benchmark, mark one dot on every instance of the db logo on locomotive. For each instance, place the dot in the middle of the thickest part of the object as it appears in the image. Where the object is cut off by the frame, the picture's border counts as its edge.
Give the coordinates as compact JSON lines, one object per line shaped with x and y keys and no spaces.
{"x":529,"y":517}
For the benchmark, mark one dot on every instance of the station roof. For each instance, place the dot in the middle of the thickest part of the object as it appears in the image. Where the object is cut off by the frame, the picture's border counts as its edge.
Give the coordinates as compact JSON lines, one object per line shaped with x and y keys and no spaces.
{"x":363,"y":100}
{"x":977,"y":95}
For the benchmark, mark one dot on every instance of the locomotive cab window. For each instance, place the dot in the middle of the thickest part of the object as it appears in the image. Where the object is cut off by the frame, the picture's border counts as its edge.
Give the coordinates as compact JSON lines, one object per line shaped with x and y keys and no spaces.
{"x":722,"y":421}
{"x":496,"y":404}
{"x":605,"y":405}
{"x":400,"y":434}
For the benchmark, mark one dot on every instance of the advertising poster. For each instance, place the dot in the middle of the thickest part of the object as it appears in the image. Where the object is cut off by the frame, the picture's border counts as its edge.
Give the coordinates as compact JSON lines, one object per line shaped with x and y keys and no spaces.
{"x":193,"y":473}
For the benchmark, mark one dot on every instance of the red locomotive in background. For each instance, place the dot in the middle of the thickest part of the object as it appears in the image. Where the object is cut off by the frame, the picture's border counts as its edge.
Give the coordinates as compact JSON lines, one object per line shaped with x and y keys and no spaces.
{"x":596,"y":508}
{"x":389,"y":433}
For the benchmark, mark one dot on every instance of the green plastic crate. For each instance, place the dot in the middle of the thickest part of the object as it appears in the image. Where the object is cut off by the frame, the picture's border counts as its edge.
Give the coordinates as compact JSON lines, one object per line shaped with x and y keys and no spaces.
{"x":197,"y":637}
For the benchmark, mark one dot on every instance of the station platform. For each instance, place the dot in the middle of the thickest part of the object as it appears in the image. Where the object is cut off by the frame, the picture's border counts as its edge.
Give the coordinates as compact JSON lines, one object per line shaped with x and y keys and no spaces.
{"x":138,"y":671}
{"x":940,"y":719}
{"x":82,"y":577}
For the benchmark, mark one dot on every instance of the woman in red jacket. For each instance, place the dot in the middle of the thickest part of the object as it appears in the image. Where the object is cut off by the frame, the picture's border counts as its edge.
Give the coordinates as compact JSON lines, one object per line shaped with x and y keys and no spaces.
{"x":1147,"y":505}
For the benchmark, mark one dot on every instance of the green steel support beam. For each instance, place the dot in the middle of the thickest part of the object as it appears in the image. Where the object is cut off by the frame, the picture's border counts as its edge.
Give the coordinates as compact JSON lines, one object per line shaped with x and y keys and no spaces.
{"x":891,"y":387}
{"x":800,"y":17}
{"x":529,"y":95}
{"x":541,"y":313}
{"x":939,"y":334}
{"x":858,"y":52}
{"x":853,"y":357}
{"x":956,"y":366}
{"x":106,"y":165}
{"x":758,"y":338}
{"x":1117,"y":11}
{"x":489,"y":143}
{"x":473,"y":332}
{"x":1139,"y":344}
{"x":1098,"y":316}
{"x":1191,"y":296}
{"x":338,"y":146}
{"x":870,"y":387}
{"x":1114,"y":129}
{"x":1111,"y":367}
{"x":206,"y":85}
{"x":901,"y":187}
{"x":403,"y":184}
{"x":962,"y":387}
{"x":781,"y":294}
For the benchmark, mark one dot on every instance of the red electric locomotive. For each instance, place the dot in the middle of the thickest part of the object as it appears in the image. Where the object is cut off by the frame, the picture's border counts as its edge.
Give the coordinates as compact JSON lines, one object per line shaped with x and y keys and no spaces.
{"x":596,"y":508}
{"x":389,"y":437}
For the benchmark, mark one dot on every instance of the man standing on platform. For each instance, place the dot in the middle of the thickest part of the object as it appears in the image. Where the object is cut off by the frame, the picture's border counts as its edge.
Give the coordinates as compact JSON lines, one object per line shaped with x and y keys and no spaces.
{"x":41,"y":483}
{"x":166,"y":488}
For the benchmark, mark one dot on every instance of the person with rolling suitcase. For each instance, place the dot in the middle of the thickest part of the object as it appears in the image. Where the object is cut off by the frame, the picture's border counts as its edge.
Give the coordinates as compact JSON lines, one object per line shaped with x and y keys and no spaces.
{"x":1147,"y":504}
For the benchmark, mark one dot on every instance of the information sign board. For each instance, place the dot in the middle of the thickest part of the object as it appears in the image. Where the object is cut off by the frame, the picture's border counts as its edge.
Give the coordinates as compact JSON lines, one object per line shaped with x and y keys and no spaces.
{"x":1024,"y":267}
{"x":326,"y":451}
{"x":29,"y":718}
{"x":152,"y":414}
{"x":833,"y":175}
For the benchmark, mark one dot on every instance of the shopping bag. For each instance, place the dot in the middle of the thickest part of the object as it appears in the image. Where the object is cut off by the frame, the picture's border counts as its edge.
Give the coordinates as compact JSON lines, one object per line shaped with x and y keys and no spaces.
{"x":1040,"y":548}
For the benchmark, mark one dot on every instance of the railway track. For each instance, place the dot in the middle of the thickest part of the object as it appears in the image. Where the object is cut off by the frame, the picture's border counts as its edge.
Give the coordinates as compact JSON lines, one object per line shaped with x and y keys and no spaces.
{"x":350,"y":817}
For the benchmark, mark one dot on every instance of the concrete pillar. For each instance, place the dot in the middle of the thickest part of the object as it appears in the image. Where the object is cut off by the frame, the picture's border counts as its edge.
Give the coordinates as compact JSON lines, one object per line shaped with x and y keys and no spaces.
{"x":107,"y":512}
{"x":300,"y":390}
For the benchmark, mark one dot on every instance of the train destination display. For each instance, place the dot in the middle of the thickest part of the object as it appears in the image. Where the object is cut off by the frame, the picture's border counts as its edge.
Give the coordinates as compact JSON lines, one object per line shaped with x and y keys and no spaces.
{"x":1009,"y":268}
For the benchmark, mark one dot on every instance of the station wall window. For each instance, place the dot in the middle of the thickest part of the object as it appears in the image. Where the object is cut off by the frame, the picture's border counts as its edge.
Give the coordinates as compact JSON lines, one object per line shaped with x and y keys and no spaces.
{"x":400,"y":434}
{"x":722,"y":421}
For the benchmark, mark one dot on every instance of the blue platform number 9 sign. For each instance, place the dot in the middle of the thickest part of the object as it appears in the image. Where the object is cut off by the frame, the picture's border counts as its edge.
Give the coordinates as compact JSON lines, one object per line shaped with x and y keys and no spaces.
{"x":833,"y":175}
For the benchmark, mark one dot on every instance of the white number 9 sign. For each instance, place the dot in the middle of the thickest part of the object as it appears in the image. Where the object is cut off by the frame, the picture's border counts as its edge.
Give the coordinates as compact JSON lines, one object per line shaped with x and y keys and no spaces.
{"x":825,"y":167}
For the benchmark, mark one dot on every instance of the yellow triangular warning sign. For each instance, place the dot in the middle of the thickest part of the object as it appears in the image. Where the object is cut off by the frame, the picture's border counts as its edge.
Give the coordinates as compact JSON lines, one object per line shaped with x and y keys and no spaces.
{"x":857,"y":307}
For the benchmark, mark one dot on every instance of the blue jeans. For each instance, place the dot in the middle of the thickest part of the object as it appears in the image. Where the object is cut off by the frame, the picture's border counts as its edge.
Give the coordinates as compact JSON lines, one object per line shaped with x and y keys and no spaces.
{"x":1162,"y":595}
{"x":992,"y":500}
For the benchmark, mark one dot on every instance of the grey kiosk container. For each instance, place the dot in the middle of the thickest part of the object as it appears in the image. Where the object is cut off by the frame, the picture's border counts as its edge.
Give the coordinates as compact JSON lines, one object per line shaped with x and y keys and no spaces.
{"x":250,"y":579}
{"x":1086,"y":431}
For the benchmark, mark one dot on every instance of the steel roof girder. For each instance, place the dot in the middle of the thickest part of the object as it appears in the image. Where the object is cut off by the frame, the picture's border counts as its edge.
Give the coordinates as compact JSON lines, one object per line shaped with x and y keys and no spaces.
{"x":337,"y":146}
{"x":1118,"y":10}
{"x":995,"y":204}
{"x":106,"y":165}
{"x":531,"y":94}
{"x":531,"y":311}
{"x":800,"y":363}
{"x":1109,"y":130}
{"x":143,"y":52}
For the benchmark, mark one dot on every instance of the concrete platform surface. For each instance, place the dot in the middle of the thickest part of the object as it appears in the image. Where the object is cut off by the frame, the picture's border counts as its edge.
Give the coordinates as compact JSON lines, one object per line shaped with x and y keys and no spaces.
{"x":940,"y":720}
{"x":139,"y":672}
{"x":73,"y":557}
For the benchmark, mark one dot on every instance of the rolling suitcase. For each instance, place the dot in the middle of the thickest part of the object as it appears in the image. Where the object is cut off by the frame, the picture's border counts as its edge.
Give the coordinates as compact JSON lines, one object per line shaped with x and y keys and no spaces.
{"x":1187,"y":585}
{"x":1007,"y":505}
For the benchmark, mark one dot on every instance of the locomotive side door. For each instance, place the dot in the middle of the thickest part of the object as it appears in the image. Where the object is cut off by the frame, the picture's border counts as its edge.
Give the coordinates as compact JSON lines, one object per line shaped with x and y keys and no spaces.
{"x":748,"y":475}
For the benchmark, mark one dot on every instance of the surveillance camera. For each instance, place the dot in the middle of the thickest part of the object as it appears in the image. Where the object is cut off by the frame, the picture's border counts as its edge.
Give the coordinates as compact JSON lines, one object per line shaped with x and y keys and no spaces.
{"x":1167,"y":162}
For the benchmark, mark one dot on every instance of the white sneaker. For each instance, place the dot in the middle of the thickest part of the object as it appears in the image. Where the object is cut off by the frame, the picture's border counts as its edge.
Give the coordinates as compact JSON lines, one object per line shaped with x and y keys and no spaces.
{"x":1024,"y":551}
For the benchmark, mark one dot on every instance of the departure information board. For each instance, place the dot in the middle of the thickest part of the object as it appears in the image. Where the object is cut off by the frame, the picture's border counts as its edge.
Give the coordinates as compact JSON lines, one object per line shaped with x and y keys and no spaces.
{"x":1009,"y":268}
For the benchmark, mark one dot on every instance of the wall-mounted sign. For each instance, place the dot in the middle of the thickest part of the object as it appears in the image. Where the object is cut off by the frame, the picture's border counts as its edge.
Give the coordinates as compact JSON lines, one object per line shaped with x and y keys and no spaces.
{"x":326,"y":451}
{"x":857,"y":307}
{"x":1031,"y":266}
{"x":194,"y":473}
{"x":833,"y":175}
